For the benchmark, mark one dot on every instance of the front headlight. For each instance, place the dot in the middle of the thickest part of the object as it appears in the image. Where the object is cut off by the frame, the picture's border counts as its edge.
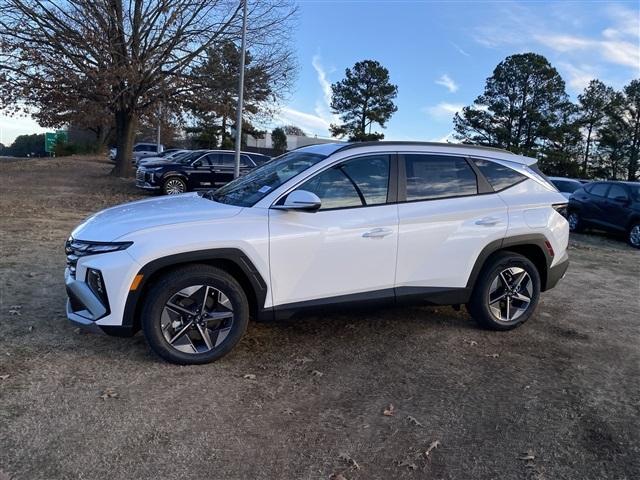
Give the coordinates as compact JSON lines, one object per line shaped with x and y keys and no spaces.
{"x":82,"y":248}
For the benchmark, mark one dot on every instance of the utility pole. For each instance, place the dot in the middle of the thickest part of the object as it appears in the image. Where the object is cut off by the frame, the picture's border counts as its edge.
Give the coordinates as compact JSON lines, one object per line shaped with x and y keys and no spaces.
{"x":158,"y":133}
{"x":236,"y":171}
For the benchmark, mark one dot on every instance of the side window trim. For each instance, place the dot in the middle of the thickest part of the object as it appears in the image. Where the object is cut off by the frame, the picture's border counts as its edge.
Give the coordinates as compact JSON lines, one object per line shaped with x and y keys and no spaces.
{"x":483,"y":184}
{"x":355,"y":185}
{"x":393,"y":186}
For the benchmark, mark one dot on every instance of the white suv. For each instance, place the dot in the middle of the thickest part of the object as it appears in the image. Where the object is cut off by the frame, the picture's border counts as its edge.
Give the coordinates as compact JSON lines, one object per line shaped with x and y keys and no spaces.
{"x":325,"y":225}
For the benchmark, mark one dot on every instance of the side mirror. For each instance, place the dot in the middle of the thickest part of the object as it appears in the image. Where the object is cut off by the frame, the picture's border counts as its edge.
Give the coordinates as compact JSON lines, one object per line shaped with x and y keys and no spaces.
{"x":300,"y":200}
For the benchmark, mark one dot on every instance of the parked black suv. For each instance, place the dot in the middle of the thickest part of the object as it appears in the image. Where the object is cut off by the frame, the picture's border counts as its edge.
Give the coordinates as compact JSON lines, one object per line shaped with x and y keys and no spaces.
{"x":201,"y":169}
{"x":612,"y":206}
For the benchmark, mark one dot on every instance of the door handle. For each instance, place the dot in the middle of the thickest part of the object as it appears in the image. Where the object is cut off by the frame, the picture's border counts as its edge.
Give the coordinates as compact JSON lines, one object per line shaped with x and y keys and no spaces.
{"x":488,"y":221}
{"x":377,"y":233}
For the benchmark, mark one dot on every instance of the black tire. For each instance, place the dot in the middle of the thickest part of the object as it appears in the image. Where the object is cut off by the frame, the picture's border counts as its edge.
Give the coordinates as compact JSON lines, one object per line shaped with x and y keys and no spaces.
{"x":576,"y":224}
{"x":479,"y":307}
{"x":174,"y":186}
{"x":632,"y":234}
{"x":175,"y":281}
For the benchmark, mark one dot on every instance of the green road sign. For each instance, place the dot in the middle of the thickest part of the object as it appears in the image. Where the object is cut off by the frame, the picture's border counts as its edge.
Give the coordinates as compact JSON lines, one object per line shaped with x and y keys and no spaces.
{"x":50,"y":140}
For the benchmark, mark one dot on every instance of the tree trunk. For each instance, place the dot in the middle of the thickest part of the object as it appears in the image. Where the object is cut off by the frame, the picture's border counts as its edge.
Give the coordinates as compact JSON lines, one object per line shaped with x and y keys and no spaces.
{"x":585,"y":163}
{"x":125,"y":133}
{"x":635,"y":146}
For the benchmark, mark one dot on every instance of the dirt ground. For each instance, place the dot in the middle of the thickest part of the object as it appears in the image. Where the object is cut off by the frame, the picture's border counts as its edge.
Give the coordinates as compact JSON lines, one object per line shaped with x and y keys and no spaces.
{"x":558,"y":398}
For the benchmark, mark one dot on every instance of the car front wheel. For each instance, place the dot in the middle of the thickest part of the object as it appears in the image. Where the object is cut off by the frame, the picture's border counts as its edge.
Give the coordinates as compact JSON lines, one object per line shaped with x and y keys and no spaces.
{"x":506,"y":293}
{"x":575,"y":222}
{"x":195,"y":315}
{"x":174,"y":186}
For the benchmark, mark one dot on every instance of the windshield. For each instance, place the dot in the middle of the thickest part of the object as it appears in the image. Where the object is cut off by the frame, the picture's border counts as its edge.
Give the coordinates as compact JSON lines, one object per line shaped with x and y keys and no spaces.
{"x":246,"y":191}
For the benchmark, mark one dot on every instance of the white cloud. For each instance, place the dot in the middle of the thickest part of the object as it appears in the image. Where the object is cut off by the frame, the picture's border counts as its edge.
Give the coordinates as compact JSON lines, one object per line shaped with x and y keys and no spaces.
{"x":443,"y":110}
{"x":613,"y":51}
{"x":578,"y":76}
{"x":460,"y":50}
{"x":306,"y":121}
{"x":447,"y":82}
{"x":319,"y":121}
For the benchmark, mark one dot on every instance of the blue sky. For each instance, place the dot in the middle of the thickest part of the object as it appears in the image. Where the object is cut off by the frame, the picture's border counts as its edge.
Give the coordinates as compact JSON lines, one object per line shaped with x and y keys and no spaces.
{"x":440,"y":53}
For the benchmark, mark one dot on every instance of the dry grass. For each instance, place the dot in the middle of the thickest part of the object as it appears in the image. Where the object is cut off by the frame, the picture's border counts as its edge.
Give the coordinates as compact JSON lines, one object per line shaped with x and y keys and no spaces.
{"x":557,"y":398}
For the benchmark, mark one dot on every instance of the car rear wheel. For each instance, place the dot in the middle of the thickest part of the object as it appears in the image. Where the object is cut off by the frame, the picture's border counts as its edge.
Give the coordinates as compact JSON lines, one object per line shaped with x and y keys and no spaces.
{"x":174,"y":186}
{"x":506,"y":293}
{"x":575,"y":222}
{"x":195,"y":315}
{"x":634,"y":235}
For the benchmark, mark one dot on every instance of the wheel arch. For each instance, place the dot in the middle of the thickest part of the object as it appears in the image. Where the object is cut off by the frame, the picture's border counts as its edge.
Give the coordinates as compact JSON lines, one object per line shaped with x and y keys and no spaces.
{"x":231,"y":260}
{"x":532,"y":246}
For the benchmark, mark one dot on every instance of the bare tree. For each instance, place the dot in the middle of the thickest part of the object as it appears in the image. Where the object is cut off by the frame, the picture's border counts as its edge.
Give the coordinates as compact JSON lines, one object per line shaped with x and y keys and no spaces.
{"x":126,"y":56}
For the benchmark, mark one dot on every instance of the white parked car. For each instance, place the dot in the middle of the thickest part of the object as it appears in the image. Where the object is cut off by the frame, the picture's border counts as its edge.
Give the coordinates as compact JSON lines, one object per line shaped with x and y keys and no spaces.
{"x":325,"y":225}
{"x":140,"y":150}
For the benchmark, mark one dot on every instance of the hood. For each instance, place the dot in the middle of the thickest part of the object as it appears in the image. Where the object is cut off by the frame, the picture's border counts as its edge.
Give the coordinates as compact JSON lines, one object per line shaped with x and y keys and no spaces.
{"x":113,"y":223}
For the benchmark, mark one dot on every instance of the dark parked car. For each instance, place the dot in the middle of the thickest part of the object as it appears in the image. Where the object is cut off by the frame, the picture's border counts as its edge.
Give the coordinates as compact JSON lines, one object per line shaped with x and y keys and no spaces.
{"x":566,"y":186}
{"x":612,"y":206}
{"x":198,"y":170}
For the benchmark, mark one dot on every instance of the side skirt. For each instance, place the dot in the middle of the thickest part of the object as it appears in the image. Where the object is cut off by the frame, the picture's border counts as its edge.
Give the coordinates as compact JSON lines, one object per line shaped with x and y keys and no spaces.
{"x":367,"y":300}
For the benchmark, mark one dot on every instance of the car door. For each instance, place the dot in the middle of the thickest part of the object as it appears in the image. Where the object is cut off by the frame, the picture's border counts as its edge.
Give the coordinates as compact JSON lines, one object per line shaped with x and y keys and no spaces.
{"x":346,"y":248}
{"x":617,"y":207}
{"x":199,"y":173}
{"x":443,"y":222}
{"x":594,"y":209}
{"x":225,"y":168}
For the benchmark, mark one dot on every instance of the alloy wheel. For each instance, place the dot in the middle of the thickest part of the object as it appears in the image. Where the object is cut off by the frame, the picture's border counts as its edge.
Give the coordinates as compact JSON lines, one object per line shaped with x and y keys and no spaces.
{"x":174,"y":186}
{"x":197,"y":319}
{"x":634,"y":236}
{"x":510,"y":294}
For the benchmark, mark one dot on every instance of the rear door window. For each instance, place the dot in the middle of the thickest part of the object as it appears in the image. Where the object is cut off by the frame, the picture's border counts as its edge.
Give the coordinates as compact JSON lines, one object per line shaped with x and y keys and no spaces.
{"x":616,"y":191}
{"x":431,"y":177}
{"x":599,"y":189}
{"x":499,"y":176}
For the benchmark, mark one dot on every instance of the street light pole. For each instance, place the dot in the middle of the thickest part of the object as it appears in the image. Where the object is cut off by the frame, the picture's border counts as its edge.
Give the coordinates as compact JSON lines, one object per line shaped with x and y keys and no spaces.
{"x":236,"y":171}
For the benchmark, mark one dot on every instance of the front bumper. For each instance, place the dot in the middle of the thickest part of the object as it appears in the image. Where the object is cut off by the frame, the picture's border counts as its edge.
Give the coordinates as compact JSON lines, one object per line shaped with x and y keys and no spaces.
{"x":146,"y":180}
{"x":557,"y":272}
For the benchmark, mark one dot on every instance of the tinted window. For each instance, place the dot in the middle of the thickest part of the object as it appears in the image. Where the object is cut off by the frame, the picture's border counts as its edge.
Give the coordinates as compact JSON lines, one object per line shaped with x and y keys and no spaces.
{"x":566,"y":185}
{"x":499,"y":176}
{"x":598,"y":189}
{"x":363,"y":181}
{"x":203,"y":161}
{"x":617,"y":191}
{"x":227,"y":159}
{"x":435,"y":176}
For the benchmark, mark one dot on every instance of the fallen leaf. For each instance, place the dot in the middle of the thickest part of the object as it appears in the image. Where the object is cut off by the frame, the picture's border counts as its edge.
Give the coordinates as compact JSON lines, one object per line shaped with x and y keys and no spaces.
{"x":303,"y":360}
{"x":249,"y":376}
{"x":435,"y":444}
{"x":414,"y":420}
{"x":408,"y":463}
{"x":4,"y":377}
{"x":31,"y":328}
{"x":337,"y":476}
{"x":528,"y":456}
{"x":109,"y":393}
{"x":316,"y":373}
{"x":389,"y":411}
{"x":288,"y":411}
{"x":15,"y":307}
{"x":492,"y":355}
{"x":31,"y":274}
{"x":347,"y":458}
{"x":14,"y":312}
{"x":471,"y":343}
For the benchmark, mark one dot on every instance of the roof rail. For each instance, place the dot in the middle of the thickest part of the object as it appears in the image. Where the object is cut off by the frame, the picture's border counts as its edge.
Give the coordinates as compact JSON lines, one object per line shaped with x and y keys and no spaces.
{"x":423,"y":144}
